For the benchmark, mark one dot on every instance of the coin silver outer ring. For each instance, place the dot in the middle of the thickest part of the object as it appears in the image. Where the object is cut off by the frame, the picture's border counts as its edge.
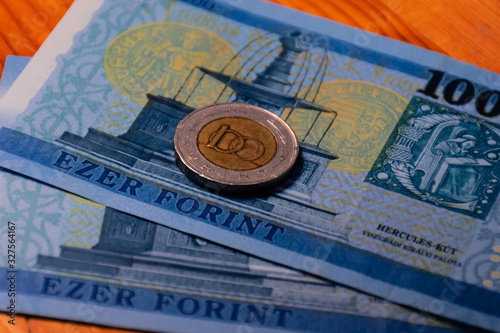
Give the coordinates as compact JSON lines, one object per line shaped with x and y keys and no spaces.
{"x":197,"y":166}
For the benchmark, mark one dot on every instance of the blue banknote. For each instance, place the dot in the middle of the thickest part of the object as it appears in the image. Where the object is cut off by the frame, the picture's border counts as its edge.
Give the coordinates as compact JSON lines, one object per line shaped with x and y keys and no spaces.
{"x":73,"y":259}
{"x":102,"y":261}
{"x":396,"y":193}
{"x":68,"y":258}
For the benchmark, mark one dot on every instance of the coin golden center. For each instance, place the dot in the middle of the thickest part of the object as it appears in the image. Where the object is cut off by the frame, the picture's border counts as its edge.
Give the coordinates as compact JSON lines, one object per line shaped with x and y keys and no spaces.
{"x":236,"y":143}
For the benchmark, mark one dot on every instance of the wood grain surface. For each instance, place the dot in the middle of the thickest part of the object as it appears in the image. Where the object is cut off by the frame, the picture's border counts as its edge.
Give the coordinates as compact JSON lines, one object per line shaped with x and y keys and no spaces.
{"x":468,"y":30}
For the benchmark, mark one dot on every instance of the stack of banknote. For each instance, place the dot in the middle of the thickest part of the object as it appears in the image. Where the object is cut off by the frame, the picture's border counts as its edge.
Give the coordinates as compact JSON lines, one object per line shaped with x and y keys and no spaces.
{"x":389,"y":221}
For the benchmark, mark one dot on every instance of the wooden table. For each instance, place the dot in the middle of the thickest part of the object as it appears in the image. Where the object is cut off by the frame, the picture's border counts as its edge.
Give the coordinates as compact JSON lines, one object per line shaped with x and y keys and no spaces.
{"x":464,"y":29}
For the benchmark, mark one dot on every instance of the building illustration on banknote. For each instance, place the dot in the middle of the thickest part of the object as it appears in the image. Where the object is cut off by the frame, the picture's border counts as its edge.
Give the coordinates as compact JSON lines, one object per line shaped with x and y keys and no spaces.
{"x":138,"y":264}
{"x":266,"y":79}
{"x":444,"y":157}
{"x":134,"y":251}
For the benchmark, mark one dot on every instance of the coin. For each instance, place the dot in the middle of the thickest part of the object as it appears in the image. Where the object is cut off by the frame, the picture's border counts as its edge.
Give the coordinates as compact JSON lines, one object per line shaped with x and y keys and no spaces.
{"x":234,"y":147}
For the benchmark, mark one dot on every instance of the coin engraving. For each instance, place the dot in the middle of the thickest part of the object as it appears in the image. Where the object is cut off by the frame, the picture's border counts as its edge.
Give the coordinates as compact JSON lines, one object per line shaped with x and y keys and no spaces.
{"x":236,"y":143}
{"x":235,"y":146}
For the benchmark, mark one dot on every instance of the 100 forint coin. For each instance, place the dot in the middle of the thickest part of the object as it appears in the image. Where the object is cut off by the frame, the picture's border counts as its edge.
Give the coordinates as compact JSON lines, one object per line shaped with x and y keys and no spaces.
{"x":232,"y":147}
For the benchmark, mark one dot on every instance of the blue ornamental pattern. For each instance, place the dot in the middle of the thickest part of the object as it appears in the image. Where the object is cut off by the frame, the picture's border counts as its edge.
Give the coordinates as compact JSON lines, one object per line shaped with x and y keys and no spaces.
{"x":441,"y":156}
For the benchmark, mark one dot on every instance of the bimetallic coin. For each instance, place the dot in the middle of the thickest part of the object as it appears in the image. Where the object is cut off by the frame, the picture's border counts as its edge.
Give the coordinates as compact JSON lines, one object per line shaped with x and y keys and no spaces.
{"x":233,"y":147}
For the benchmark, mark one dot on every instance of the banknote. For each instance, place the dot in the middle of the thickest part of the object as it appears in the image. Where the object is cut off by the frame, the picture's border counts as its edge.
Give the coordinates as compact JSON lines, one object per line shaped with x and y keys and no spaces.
{"x":396,"y":191}
{"x":73,"y":254}
{"x":68,"y":258}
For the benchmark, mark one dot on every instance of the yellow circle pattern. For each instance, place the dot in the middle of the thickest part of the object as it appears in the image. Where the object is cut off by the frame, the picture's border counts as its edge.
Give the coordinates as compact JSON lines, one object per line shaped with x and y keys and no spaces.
{"x":366,"y":116}
{"x":157,"y":57}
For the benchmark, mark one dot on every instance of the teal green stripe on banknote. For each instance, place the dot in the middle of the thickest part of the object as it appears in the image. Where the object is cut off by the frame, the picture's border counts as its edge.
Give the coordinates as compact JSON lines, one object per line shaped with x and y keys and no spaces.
{"x":396,"y":193}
